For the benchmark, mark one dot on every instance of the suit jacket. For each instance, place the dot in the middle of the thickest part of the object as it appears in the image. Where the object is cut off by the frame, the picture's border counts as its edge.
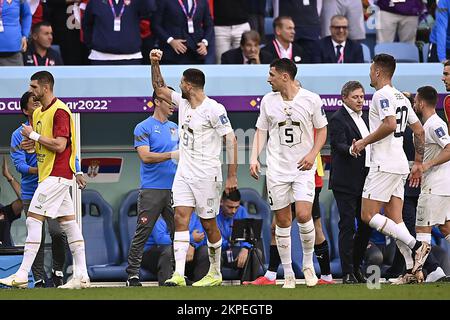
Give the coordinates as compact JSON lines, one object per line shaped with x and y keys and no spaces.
{"x":235,"y":56}
{"x":352,"y":52}
{"x":347,"y":174}
{"x":298,"y":53}
{"x":170,"y":21}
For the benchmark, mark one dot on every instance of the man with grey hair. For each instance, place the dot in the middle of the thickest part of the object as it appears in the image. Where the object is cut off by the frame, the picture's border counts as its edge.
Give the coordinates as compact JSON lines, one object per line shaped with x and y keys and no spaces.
{"x":347,"y":176}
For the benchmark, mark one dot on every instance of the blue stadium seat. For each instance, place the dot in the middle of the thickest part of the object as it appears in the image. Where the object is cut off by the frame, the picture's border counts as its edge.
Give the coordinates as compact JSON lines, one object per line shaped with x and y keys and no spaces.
{"x":102,"y":247}
{"x":402,"y":52}
{"x":366,"y":53}
{"x":268,"y":29}
{"x":127,"y":227}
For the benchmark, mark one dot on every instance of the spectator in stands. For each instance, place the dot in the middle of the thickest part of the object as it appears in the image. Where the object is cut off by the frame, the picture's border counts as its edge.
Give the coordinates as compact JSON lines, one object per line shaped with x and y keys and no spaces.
{"x":337,"y":48}
{"x":398,"y":17}
{"x":256,"y":17}
{"x":184,"y":29}
{"x":440,"y":34}
{"x":283,"y":46}
{"x":307,"y":23}
{"x":114,"y":39}
{"x":11,"y":212}
{"x":347,"y":177}
{"x":15,"y":24}
{"x":248,"y":53}
{"x":236,"y":255}
{"x":40,"y":52}
{"x":158,"y":252}
{"x":231,"y":20}
{"x":351,"y":9}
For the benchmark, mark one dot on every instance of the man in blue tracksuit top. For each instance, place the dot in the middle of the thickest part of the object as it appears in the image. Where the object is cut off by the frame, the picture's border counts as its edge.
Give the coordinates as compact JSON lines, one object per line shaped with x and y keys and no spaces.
{"x":235,"y":255}
{"x":158,"y":252}
{"x":440,"y":34}
{"x":156,"y":142}
{"x":26,"y":164}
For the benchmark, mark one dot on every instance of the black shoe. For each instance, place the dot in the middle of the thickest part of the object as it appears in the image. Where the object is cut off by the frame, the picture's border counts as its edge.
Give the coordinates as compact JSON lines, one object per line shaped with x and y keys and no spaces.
{"x":39,"y":284}
{"x":133,"y":282}
{"x":359,"y":276}
{"x":349,"y":278}
{"x":57,"y":278}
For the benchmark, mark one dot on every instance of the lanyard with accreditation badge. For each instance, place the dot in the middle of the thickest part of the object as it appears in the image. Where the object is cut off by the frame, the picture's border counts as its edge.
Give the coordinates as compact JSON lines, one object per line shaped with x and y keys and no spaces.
{"x":116,"y":18}
{"x":190,"y":19}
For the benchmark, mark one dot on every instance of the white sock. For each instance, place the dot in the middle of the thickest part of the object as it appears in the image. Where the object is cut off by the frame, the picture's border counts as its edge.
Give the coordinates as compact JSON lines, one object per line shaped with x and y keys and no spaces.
{"x":406,"y":253}
{"x":424,"y":237}
{"x":283,"y":239}
{"x":180,"y":249}
{"x":404,"y":235}
{"x":307,"y":236}
{"x":76,"y":245}
{"x":384,"y":225}
{"x":32,"y":244}
{"x":271,"y":275}
{"x":215,"y":254}
{"x":435,"y":275}
{"x":447,"y":237}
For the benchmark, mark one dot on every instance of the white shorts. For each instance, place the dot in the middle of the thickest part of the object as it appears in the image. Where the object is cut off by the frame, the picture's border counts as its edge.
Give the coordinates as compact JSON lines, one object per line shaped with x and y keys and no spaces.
{"x":203,"y":196}
{"x":432,"y":210}
{"x":52,"y":198}
{"x":381,"y":186}
{"x":282,"y":194}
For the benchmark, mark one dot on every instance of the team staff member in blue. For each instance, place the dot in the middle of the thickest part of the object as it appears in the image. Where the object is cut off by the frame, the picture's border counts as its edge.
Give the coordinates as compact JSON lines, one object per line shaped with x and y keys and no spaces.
{"x":26,"y":164}
{"x":156,"y":142}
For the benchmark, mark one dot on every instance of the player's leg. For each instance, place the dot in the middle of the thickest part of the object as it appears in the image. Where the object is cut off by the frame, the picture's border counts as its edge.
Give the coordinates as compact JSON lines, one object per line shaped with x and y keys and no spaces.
{"x":283,"y":222}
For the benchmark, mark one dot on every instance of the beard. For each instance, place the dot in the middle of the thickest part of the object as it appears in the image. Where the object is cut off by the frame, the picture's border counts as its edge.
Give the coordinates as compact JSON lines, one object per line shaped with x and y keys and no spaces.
{"x":184,"y":95}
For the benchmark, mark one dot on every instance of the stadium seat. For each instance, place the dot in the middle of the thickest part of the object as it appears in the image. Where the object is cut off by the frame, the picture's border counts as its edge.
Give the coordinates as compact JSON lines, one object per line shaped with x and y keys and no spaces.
{"x":425,"y":51}
{"x":366,"y":53}
{"x":127,"y":227}
{"x":268,"y":29}
{"x":102,"y":247}
{"x":402,"y":52}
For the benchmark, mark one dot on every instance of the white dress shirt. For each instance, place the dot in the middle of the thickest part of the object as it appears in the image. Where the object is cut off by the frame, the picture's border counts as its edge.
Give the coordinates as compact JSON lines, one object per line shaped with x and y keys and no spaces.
{"x":362,"y":127}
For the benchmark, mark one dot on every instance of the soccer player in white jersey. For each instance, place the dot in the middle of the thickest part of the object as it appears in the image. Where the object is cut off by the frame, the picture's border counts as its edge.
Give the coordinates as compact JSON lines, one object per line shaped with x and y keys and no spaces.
{"x":203,"y":124}
{"x":389,"y":114}
{"x":433,"y":207}
{"x":289,"y":115}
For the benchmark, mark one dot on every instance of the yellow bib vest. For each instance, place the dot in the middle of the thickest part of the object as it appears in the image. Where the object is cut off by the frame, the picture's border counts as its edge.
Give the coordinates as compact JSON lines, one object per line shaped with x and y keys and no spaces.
{"x":319,"y":169}
{"x":43,"y":124}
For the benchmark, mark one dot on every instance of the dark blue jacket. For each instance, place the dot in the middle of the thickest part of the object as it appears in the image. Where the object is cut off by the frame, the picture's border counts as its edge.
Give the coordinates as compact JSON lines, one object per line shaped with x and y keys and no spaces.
{"x":352,"y":52}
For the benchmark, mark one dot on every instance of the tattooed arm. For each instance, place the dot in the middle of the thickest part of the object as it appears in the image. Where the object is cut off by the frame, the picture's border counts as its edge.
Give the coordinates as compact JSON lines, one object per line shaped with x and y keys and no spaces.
{"x":158,"y":83}
{"x":419,"y":146}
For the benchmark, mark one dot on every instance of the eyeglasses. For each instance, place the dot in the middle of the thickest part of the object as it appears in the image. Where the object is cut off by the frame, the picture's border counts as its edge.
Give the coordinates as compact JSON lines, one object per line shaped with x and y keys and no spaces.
{"x":340,"y":27}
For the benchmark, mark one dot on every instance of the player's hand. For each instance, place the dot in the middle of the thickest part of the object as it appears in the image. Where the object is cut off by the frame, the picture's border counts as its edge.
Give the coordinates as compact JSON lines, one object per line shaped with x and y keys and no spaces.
{"x":230,"y":184}
{"x":242,"y":258}
{"x":255,"y":170}
{"x":426,"y":166}
{"x":27,"y":144}
{"x":358,"y":146}
{"x":197,"y":235}
{"x":307,"y":162}
{"x":190,"y":253}
{"x":155,"y":55}
{"x":5,"y":170}
{"x":81,"y":182}
{"x":254,"y":58}
{"x":415,"y":175}
{"x":178,"y":46}
{"x":26,"y":130}
{"x":24,"y":44}
{"x":202,"y":49}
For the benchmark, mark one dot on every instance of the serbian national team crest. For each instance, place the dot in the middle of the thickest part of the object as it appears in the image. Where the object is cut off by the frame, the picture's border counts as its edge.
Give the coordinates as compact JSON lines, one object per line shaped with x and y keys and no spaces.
{"x":102,"y":170}
{"x":92,"y":171}
{"x":173,"y":131}
{"x":447,"y":107}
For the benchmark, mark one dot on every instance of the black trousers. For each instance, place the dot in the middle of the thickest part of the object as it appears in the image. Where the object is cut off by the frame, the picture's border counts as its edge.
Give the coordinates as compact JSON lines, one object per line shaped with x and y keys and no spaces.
{"x":352,"y":241}
{"x":252,"y":271}
{"x":151,"y":203}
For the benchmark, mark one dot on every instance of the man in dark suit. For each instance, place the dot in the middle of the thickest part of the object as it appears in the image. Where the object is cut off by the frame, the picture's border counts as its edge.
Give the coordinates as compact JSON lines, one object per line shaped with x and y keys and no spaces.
{"x":283,"y":46}
{"x":347,"y":177}
{"x":249,"y":51}
{"x":184,"y":29}
{"x":337,"y":48}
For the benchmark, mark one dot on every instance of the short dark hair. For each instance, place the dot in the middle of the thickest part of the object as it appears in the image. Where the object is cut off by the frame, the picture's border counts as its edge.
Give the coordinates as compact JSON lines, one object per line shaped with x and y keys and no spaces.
{"x":386,"y":62}
{"x":35,"y":28}
{"x":251,"y":35}
{"x":446,"y":63}
{"x":351,"y":86}
{"x":24,"y":100}
{"x":233,"y":195}
{"x":195,"y":77}
{"x":278,"y":21}
{"x":285,"y":65}
{"x":154,"y":96}
{"x":44,"y":77}
{"x":428,"y":94}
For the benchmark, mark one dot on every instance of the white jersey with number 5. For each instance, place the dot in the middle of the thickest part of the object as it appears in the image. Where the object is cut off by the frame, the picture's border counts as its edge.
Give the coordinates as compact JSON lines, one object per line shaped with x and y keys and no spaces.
{"x":201,"y":131}
{"x":290,"y":125}
{"x":387,"y":155}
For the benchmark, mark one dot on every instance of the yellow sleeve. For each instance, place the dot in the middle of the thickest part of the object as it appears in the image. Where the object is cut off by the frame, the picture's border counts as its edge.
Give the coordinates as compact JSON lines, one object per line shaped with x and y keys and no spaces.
{"x":319,"y":169}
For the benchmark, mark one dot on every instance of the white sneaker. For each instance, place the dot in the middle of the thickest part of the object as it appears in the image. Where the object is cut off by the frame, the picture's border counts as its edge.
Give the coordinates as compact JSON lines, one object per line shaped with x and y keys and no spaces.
{"x":310,"y":276}
{"x":14,"y":282}
{"x":289,"y":281}
{"x":76,"y":283}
